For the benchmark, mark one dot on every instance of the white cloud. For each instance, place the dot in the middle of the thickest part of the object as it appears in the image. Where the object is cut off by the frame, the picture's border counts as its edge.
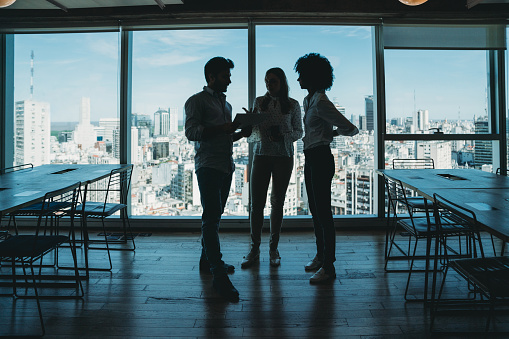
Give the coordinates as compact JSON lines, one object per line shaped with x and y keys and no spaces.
{"x":166,"y":59}
{"x":107,"y":48}
{"x":360,"y":32}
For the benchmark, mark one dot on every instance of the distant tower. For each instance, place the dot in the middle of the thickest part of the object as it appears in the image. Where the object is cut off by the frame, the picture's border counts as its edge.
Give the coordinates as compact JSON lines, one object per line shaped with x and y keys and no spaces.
{"x":32,"y":75}
{"x":370,"y":114}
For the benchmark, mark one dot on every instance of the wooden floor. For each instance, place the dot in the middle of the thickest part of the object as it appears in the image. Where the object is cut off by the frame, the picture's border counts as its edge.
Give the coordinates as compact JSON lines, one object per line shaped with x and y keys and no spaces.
{"x":158,"y":292}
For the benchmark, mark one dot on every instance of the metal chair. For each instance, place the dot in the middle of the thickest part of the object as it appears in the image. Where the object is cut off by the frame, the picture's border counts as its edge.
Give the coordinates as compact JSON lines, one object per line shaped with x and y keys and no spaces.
{"x":398,"y":204}
{"x":4,"y":233}
{"x":487,"y":277}
{"x":114,"y":199}
{"x":25,"y":250}
{"x":421,"y":226}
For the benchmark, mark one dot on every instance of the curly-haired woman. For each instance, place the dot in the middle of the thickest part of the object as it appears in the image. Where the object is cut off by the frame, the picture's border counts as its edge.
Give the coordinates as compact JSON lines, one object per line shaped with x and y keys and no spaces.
{"x":316,"y":76}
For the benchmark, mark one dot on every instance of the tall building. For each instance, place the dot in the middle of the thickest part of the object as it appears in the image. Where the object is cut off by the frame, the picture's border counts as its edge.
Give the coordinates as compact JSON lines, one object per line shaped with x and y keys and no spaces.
{"x":32,"y":133}
{"x":161,"y":123}
{"x":363,"y":126}
{"x":483,"y":149}
{"x":115,"y":147}
{"x":370,"y":115}
{"x":85,"y":134}
{"x":174,"y":119}
{"x":185,"y":184}
{"x":143,"y":123}
{"x":421,"y":121}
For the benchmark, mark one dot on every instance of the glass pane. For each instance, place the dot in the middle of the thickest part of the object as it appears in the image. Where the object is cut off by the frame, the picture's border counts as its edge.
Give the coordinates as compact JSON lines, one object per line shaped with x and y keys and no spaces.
{"x":66,"y":98}
{"x":475,"y":154}
{"x":167,"y":70}
{"x":429,"y":90}
{"x":349,"y":50}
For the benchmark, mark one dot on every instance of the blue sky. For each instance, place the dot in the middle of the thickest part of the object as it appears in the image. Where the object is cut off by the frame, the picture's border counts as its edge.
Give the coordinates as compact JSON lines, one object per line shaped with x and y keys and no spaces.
{"x":168,"y":68}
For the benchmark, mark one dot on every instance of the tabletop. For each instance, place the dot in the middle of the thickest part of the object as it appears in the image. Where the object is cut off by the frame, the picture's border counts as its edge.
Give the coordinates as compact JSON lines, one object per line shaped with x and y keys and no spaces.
{"x":22,"y":188}
{"x":416,"y":179}
{"x":486,"y":194}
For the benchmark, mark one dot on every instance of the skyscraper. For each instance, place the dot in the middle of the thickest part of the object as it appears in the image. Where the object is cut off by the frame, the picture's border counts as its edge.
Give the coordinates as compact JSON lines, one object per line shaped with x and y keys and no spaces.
{"x":174,"y":120}
{"x":84,"y":133}
{"x":483,"y":149}
{"x":161,"y":123}
{"x":370,"y":117}
{"x":32,"y":133}
{"x":421,"y":121}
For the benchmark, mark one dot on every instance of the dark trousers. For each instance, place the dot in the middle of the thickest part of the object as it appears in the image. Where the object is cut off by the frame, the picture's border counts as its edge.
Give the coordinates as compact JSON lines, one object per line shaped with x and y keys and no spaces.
{"x":265,"y":167}
{"x":214,"y":188}
{"x":318,"y":173}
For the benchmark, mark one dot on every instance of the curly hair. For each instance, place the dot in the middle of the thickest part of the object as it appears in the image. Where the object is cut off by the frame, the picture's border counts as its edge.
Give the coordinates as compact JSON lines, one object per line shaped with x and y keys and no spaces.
{"x":283,"y":92}
{"x":316,"y":69}
{"x":216,"y":65}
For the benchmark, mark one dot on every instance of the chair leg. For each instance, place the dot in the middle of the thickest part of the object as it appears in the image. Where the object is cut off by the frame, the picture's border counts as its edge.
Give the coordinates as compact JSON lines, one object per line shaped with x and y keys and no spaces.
{"x":410,"y":270}
{"x":37,"y":299}
{"x":434,"y":305}
{"x":125,"y":220}
{"x":106,"y":242}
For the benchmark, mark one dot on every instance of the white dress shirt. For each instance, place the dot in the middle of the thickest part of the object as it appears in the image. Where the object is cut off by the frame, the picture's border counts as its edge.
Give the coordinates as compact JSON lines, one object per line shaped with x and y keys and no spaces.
{"x":320,"y":117}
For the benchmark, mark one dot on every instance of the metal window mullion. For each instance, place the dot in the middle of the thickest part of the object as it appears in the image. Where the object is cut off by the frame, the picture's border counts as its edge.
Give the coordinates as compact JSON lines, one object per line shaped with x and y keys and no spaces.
{"x":498,"y":100}
{"x":251,"y":89}
{"x":380,"y":109}
{"x":125,"y":99}
{"x":6,"y":100}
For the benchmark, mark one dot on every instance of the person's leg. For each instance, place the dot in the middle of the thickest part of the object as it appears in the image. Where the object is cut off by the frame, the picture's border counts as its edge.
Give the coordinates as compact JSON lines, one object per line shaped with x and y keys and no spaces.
{"x":260,"y":178}
{"x":308,"y":177}
{"x":281,"y":173}
{"x":213,"y":186}
{"x":321,"y":177}
{"x":210,"y":182}
{"x":225,"y":190}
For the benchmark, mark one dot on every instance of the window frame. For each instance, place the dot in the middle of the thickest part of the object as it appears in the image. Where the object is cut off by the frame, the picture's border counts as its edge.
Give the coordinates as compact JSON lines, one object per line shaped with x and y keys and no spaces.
{"x":496,"y":84}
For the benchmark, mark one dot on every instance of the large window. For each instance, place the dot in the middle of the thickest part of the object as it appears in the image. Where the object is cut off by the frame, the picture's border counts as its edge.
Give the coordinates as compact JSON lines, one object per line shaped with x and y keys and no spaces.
{"x":349,"y":49}
{"x":66,"y":98}
{"x":440,"y":99}
{"x":441,"y":95}
{"x":167,"y":70}
{"x":426,"y":90}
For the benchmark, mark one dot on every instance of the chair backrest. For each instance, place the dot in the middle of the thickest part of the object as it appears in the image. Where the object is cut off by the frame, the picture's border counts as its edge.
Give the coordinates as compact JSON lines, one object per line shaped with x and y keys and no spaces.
{"x":119,"y":184}
{"x":61,"y":202}
{"x":397,"y":196}
{"x":450,"y":215}
{"x":16,"y":168}
{"x":413,"y":164}
{"x":114,"y":189}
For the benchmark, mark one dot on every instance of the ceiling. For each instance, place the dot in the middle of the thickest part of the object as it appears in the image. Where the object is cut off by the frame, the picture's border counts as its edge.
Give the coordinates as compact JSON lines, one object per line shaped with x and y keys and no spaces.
{"x":75,"y":4}
{"x":31,"y":14}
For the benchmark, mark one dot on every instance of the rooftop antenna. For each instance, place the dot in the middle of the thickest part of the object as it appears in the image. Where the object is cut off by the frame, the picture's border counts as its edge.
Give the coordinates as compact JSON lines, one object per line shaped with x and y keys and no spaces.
{"x":459,"y":113}
{"x":32,"y":75}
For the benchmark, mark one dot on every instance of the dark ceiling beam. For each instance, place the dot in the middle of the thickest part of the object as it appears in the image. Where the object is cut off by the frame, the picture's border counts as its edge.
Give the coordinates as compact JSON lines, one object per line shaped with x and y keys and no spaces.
{"x":472,"y":3}
{"x":58,"y":4}
{"x":160,"y":4}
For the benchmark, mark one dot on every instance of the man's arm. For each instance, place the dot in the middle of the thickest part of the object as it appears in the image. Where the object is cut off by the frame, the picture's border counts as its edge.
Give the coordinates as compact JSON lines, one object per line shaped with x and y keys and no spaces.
{"x":194,"y":129}
{"x":245,"y":132}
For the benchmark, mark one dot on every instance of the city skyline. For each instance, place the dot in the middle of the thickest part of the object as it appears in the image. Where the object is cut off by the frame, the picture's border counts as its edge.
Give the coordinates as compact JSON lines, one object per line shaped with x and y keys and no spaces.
{"x":168,"y":68}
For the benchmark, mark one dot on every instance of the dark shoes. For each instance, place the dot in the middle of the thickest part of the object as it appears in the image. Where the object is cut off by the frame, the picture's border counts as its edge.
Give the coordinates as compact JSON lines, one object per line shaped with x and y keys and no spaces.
{"x":205,"y":267}
{"x":225,"y":288}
